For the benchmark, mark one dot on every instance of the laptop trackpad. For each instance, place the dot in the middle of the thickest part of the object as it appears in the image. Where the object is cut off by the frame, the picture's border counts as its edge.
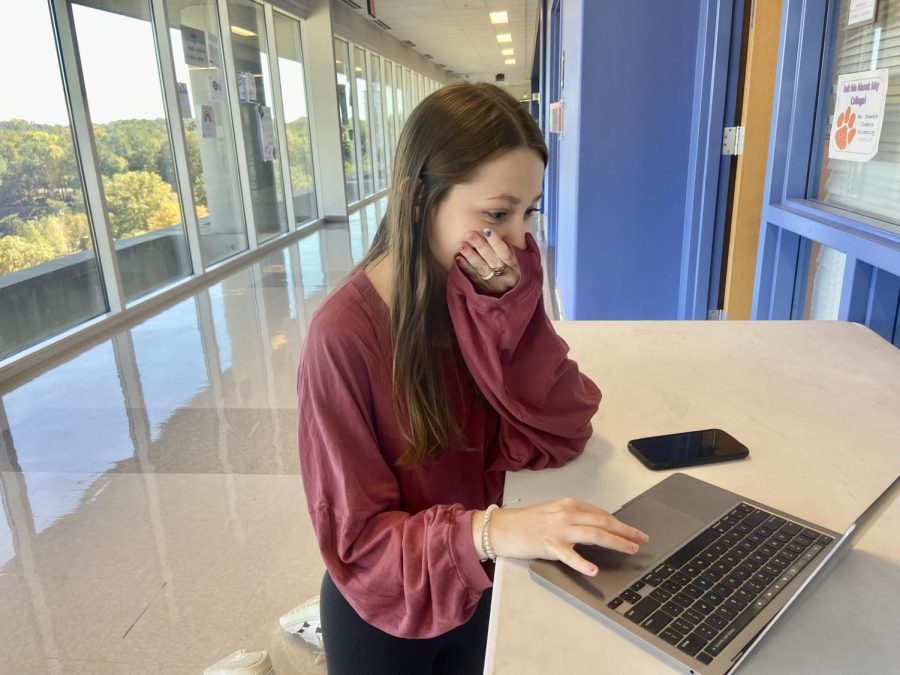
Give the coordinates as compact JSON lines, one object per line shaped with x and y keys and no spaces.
{"x":667,"y":527}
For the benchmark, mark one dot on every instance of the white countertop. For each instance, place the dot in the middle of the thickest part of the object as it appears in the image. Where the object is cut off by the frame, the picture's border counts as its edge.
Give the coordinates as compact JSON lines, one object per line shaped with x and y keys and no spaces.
{"x":817,"y":403}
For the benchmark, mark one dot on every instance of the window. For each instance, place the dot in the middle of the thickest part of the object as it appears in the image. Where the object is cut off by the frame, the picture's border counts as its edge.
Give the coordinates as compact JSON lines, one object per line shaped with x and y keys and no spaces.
{"x":258,"y":117}
{"x":49,"y":273}
{"x":378,"y":147}
{"x":401,"y":98}
{"x":207,"y":123}
{"x":362,"y":117}
{"x":296,"y":117}
{"x":345,"y":110}
{"x":132,"y":139}
{"x":873,"y":187}
{"x":408,"y":94}
{"x":390,"y":119}
{"x":167,"y":196}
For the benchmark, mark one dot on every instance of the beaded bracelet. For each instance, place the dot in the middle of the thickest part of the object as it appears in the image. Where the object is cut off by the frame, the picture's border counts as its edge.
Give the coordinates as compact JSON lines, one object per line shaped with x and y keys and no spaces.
{"x":487,"y":553}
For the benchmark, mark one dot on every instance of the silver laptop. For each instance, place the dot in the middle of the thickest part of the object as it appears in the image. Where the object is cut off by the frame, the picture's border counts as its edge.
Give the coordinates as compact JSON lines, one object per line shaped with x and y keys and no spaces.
{"x":718,"y":570}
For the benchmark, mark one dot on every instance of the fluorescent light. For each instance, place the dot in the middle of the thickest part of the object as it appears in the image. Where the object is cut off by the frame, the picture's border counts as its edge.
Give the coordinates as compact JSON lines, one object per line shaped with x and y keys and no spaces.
{"x":339,"y":62}
{"x":509,"y":51}
{"x":358,"y":69}
{"x":510,"y":62}
{"x":243,"y":32}
{"x":504,"y":37}
{"x":499,"y":17}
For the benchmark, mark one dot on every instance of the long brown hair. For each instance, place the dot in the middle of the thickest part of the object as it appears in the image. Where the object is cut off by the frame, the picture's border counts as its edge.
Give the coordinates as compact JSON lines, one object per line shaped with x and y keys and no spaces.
{"x":447,"y":137}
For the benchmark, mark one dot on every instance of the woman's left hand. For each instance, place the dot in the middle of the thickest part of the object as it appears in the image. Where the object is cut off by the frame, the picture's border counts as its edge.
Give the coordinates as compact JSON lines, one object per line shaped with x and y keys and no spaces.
{"x":489,"y":262}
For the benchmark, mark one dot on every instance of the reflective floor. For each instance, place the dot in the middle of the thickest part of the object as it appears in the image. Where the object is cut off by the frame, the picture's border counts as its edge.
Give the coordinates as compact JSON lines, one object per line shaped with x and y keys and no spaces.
{"x":153,"y":519}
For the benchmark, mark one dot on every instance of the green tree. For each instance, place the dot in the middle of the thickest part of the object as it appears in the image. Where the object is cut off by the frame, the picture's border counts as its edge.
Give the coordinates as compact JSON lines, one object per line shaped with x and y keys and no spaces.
{"x":19,"y":252}
{"x":140,"y":201}
{"x":37,"y":163}
{"x":140,"y":143}
{"x":195,"y":166}
{"x":110,"y":162}
{"x":300,"y":153}
{"x":66,"y":232}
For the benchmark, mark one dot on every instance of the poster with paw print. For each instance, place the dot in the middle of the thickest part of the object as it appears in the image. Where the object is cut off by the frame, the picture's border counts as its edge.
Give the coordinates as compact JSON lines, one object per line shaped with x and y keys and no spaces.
{"x":858,"y":114}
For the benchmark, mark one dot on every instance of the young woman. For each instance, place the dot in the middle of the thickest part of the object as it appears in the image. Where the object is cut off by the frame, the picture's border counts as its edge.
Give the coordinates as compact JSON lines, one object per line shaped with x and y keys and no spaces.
{"x":432,"y":371}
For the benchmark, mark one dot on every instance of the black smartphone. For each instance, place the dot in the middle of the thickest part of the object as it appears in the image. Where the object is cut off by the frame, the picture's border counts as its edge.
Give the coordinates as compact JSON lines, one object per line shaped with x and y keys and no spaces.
{"x":687,"y":449}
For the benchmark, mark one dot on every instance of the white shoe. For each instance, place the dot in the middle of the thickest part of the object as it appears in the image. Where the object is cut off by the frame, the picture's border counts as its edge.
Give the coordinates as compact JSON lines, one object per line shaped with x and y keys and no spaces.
{"x":304,"y":621}
{"x":244,"y":663}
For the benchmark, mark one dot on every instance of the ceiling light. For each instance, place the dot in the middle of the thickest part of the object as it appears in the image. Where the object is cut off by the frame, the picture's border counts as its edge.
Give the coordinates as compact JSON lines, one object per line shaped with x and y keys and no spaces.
{"x":509,"y":51}
{"x":243,"y":32}
{"x":510,"y":62}
{"x":358,"y":69}
{"x":499,"y":17}
{"x":504,"y":37}
{"x":339,"y":62}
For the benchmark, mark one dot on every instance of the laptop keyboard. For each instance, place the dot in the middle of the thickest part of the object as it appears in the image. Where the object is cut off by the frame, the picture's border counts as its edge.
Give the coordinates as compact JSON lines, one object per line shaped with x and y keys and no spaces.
{"x":704,"y":594}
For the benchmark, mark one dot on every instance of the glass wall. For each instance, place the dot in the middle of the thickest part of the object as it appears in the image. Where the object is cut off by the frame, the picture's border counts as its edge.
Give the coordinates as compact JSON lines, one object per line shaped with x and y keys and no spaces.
{"x":132,"y":139}
{"x":378,"y":147}
{"x":152,"y":101}
{"x":203,"y":100}
{"x":296,"y":117}
{"x":186,"y":124}
{"x":408,"y":92}
{"x":389,"y":115}
{"x":401,"y":100}
{"x":47,"y":254}
{"x":365,"y":133}
{"x":259,"y":119}
{"x":373,"y":104}
{"x":345,"y":110}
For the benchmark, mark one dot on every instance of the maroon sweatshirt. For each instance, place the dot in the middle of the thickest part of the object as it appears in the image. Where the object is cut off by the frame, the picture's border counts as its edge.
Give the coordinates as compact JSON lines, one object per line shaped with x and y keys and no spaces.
{"x":397,"y":541}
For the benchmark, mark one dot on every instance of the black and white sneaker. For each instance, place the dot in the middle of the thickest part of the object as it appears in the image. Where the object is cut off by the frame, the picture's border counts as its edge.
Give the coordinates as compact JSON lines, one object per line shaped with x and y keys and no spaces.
{"x":304,"y":621}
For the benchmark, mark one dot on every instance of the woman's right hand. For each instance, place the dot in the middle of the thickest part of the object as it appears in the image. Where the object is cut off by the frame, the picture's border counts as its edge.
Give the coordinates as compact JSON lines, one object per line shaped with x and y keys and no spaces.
{"x":550,"y":530}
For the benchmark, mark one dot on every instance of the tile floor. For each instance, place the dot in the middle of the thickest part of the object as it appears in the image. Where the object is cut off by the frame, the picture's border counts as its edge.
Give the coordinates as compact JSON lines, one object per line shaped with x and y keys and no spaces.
{"x":153,"y":519}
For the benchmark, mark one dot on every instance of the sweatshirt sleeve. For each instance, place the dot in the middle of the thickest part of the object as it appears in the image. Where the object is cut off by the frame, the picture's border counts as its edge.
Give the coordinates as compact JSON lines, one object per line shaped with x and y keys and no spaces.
{"x":412,"y":576}
{"x":522,"y":368}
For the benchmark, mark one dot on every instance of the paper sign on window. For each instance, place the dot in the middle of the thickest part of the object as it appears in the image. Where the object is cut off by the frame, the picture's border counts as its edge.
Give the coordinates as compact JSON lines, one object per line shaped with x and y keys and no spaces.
{"x":216,"y":89}
{"x":207,"y":122}
{"x":266,"y":132}
{"x":184,"y":100}
{"x":213,"y":52}
{"x":858,"y":114}
{"x":193,"y":42}
{"x":862,"y":12}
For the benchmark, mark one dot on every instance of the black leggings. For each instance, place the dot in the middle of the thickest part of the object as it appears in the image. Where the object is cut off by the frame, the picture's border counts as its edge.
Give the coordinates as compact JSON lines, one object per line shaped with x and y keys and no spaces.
{"x":355,"y":647}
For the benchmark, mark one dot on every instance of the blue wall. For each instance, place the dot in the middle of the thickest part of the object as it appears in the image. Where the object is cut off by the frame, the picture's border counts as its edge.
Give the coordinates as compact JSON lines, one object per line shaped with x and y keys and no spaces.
{"x":629,"y":97}
{"x":567,"y":259}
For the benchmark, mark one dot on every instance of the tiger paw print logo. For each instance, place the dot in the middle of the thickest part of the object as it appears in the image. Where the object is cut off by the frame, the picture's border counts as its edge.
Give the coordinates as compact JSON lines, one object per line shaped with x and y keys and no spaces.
{"x":846,"y":131}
